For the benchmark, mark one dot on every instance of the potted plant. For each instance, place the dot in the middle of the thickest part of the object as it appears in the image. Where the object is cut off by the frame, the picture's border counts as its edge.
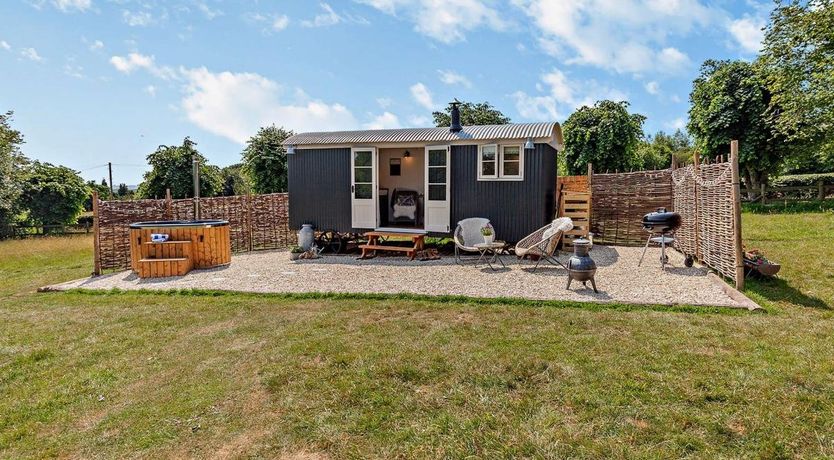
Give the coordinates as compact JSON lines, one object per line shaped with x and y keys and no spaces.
{"x":488,"y":233}
{"x":295,"y":252}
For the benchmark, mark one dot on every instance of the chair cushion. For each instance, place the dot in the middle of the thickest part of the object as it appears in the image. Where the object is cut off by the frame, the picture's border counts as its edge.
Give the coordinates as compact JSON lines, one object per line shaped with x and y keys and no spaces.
{"x":561,"y":224}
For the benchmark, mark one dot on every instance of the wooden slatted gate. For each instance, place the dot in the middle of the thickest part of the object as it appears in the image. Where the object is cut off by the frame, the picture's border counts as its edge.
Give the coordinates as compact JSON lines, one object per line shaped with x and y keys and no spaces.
{"x":577,"y":206}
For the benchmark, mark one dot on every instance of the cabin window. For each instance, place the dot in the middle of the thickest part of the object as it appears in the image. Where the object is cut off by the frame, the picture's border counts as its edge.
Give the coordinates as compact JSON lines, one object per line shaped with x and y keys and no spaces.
{"x":500,"y":162}
{"x":488,"y":162}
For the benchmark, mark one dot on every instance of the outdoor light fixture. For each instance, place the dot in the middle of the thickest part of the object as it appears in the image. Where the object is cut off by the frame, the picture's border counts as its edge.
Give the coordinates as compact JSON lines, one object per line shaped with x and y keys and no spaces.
{"x":529,"y":144}
{"x":407,"y":154}
{"x":290,"y":149}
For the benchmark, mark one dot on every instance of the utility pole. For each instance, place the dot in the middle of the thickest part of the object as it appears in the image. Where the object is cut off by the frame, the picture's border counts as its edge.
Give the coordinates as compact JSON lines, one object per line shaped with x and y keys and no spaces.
{"x":110,"y":171}
{"x":195,"y":163}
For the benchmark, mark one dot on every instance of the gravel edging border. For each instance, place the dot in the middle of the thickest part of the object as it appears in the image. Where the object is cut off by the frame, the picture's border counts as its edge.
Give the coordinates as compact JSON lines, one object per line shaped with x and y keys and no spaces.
{"x":735,"y":294}
{"x":456,"y":299}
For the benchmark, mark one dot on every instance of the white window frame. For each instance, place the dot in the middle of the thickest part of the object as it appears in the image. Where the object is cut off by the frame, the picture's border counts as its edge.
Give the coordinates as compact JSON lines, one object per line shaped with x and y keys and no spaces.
{"x":499,"y":163}
{"x":520,"y":175}
{"x":481,"y":175}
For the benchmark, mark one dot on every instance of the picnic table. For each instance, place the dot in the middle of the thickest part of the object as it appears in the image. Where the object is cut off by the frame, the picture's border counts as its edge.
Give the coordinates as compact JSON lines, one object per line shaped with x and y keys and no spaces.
{"x":376,"y":240}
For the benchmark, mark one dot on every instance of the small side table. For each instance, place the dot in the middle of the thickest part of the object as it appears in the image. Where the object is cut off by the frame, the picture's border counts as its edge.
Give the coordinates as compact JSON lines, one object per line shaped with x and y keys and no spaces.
{"x":489,"y":253}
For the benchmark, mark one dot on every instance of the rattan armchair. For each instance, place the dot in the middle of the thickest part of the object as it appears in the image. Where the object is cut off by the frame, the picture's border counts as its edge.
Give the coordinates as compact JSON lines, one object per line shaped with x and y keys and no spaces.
{"x":542,"y":244}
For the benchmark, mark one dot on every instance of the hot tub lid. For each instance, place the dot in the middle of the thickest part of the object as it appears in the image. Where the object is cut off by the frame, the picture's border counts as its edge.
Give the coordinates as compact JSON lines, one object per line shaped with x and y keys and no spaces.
{"x":180,"y":223}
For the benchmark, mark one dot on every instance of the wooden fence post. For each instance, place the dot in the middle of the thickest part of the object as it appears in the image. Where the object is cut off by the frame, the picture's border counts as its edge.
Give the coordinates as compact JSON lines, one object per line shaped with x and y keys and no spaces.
{"x":736,"y":197}
{"x":820,"y":190}
{"x":96,"y":242}
{"x":763,"y":191}
{"x":169,"y":205}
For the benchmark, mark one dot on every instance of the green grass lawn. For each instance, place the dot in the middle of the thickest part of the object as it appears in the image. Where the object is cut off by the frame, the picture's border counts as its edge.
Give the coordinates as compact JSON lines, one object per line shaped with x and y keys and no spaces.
{"x":160,"y":375}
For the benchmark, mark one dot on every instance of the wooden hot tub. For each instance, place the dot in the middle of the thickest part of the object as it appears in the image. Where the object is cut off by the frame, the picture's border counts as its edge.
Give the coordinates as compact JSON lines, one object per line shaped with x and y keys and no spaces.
{"x":190,"y":244}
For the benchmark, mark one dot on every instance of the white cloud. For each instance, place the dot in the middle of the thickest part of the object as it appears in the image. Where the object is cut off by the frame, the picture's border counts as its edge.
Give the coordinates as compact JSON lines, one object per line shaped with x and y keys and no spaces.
{"x":560,"y":94}
{"x":450,"y":77}
{"x":234,"y":105}
{"x":280,"y":22}
{"x":326,"y":19}
{"x":208,"y":12}
{"x":96,"y":45}
{"x":748,"y":33}
{"x":31,"y":54}
{"x":422,"y":95}
{"x":151,"y":90}
{"x":446,"y":21}
{"x":652,"y":87}
{"x":74,"y":71}
{"x":134,"y":61}
{"x":625,"y":36}
{"x":137,"y":18}
{"x":384,"y":102}
{"x":419,"y":121}
{"x":676,"y":124}
{"x":386,"y":120}
{"x":68,"y":5}
{"x":5,"y":45}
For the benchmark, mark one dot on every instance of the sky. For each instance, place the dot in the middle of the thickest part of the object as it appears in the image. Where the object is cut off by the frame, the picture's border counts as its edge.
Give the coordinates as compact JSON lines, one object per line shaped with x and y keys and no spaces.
{"x":97,"y":81}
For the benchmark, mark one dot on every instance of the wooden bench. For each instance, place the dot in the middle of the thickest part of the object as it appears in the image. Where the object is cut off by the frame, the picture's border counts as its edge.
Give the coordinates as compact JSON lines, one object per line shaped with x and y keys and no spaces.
{"x":374,"y":244}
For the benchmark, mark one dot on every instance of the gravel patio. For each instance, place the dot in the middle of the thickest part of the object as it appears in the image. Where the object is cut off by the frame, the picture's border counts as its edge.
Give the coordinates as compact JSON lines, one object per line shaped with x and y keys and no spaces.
{"x":618,"y":278}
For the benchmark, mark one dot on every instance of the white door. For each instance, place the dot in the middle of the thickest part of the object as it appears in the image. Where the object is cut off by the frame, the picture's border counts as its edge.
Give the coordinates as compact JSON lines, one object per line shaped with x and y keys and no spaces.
{"x":363,"y":187}
{"x":437,"y":203}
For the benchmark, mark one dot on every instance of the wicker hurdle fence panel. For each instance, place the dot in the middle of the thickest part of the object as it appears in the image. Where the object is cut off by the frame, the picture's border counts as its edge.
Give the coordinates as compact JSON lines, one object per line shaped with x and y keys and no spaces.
{"x":716,"y":238}
{"x":686,"y":237}
{"x":255,"y":222}
{"x":619,"y":201}
{"x":270,"y":221}
{"x":234,"y":209}
{"x":114,"y":221}
{"x":704,"y":196}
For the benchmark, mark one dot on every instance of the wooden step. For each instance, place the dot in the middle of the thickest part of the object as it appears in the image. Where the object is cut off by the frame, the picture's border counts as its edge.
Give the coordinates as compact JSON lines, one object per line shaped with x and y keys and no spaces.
{"x":160,"y":268}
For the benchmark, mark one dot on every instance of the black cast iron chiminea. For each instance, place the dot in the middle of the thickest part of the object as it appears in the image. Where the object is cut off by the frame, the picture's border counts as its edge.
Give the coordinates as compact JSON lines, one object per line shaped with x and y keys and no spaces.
{"x":580,"y":266}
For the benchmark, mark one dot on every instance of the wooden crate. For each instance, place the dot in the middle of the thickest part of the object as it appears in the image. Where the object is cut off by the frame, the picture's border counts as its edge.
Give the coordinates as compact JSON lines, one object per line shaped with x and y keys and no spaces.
{"x":577,"y":206}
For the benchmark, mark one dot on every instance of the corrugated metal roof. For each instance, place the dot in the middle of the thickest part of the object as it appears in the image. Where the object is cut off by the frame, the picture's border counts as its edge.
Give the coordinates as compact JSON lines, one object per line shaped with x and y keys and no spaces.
{"x":547,"y":130}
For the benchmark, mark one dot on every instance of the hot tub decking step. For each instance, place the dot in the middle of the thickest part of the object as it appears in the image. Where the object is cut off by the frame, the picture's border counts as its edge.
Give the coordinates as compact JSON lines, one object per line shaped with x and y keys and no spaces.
{"x":157,"y":268}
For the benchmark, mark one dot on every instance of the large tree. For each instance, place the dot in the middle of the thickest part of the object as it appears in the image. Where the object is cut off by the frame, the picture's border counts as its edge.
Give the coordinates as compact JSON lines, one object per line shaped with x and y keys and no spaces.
{"x":12,"y":162}
{"x":53,"y":194}
{"x":265,"y":160}
{"x":171,"y":168}
{"x":797,"y":63}
{"x":606,"y":135}
{"x":472,"y":113}
{"x":234,"y":182}
{"x":730,"y":101}
{"x":656,"y":151}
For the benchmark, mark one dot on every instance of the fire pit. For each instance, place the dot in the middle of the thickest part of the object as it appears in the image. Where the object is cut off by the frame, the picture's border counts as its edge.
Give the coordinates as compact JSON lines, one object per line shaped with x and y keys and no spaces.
{"x":580,"y":266}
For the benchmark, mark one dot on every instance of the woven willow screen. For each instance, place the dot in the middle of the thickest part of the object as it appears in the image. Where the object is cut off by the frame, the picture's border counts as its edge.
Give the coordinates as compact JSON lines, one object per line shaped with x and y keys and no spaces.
{"x":255,"y":221}
{"x":704,"y":198}
{"x":621,"y":199}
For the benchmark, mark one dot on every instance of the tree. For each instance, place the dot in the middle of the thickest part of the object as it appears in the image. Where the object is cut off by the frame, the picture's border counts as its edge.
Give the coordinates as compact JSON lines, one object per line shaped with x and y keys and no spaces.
{"x":471,"y":114}
{"x":730,"y":101}
{"x":171,"y":168}
{"x":797,"y":64}
{"x":656,"y":151}
{"x":103,"y":193}
{"x":12,"y":163}
{"x":53,"y":195}
{"x":606,"y":135}
{"x":123,"y":191}
{"x":265,"y":160}
{"x":234,"y":182}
